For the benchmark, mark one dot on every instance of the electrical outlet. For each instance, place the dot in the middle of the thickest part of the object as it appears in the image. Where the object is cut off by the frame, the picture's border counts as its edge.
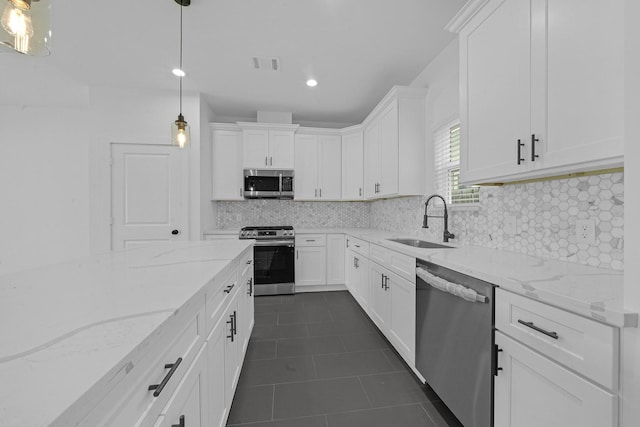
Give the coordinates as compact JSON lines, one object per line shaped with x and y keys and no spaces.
{"x":586,"y":231}
{"x":510,"y":225}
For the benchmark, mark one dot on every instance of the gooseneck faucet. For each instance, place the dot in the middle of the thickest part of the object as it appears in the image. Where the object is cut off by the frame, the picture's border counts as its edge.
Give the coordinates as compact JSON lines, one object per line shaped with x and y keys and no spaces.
{"x":446,"y":235}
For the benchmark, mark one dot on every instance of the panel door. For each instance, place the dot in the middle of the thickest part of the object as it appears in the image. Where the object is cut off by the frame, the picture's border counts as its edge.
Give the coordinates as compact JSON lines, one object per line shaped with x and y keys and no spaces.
{"x":379,"y":298}
{"x":190,"y":400}
{"x":148,"y":196}
{"x":330,"y":167}
{"x":402,"y":326}
{"x":281,"y":149}
{"x":306,"y":170}
{"x":578,"y":97}
{"x":255,"y":143}
{"x":533,"y":391}
{"x":350,"y":272}
{"x":352,"y":166}
{"x":218,"y":409}
{"x":231,"y":351}
{"x":311,"y":264}
{"x":227,"y":165}
{"x":245,"y":314}
{"x":389,"y":175}
{"x":335,"y":259}
{"x":495,"y":67}
{"x":361,"y":283}
{"x":371,"y":159}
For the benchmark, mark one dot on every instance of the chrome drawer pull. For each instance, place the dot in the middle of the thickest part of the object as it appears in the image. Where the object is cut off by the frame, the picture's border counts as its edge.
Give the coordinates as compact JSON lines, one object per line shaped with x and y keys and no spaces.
{"x":229,"y":288}
{"x":182,"y":423}
{"x":553,"y":335}
{"x":159,"y":387}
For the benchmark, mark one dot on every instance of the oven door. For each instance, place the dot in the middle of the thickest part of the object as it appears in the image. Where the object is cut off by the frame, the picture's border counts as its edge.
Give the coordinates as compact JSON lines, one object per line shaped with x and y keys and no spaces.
{"x":274,"y":267}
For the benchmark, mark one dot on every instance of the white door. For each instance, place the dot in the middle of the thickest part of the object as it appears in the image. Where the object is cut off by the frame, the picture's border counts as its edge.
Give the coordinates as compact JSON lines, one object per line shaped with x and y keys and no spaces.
{"x":231,"y":351}
{"x":361,"y":281}
{"x":533,"y":391}
{"x":371,"y":159}
{"x":335,"y":259}
{"x":147,"y":195}
{"x":306,"y":179}
{"x":218,"y":410}
{"x":352,"y":165}
{"x":281,"y":149}
{"x":330,"y":167}
{"x":310,"y":266}
{"x":227,"y":165}
{"x":389,"y":179}
{"x":255,"y":148}
{"x":402,"y":326}
{"x":379,"y":298}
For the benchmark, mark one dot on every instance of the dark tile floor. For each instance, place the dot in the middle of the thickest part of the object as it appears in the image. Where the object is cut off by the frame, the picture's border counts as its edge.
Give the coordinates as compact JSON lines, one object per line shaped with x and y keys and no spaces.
{"x":316,"y":360}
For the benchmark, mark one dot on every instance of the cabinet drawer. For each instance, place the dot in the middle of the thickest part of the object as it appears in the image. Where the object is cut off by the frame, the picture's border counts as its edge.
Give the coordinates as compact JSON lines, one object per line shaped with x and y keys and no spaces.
{"x":586,"y":346}
{"x":358,"y":246}
{"x":403,"y":265}
{"x":219,"y":292}
{"x":311,"y":240}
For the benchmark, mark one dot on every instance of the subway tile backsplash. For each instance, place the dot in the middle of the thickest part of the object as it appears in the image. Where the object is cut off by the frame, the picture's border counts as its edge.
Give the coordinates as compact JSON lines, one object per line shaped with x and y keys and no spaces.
{"x":545,"y":213}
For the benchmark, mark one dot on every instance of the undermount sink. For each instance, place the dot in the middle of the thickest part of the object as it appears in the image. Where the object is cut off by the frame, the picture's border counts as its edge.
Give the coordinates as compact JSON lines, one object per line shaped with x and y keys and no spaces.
{"x":420,"y":244}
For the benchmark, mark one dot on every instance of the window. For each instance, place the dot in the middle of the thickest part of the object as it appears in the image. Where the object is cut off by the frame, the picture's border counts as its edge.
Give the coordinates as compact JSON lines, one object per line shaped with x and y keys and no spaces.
{"x":447,"y":167}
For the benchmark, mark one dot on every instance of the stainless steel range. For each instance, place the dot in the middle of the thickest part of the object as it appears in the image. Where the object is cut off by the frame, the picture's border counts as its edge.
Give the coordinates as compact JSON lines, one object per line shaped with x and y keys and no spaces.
{"x":273,"y":259}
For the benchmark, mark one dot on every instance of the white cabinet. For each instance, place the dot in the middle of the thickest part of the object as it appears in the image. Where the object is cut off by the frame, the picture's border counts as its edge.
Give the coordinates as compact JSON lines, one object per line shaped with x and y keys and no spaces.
{"x":394,"y":145}
{"x":310,"y":266}
{"x":533,"y":391}
{"x":318,"y":167}
{"x":335,"y":259}
{"x":402,"y":324}
{"x":268,"y":146}
{"x":217,"y":403}
{"x":353,"y":165}
{"x":379,"y":301}
{"x":227,"y":177}
{"x":232,"y":350}
{"x":541,"y":88}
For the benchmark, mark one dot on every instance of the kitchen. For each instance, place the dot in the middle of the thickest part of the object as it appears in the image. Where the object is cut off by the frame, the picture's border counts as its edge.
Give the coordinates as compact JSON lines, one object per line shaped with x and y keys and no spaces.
{"x":56,"y":182}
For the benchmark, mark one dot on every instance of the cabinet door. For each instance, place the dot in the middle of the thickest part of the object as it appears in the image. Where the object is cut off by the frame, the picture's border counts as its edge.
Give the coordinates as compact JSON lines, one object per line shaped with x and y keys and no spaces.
{"x":231,"y":351}
{"x":255,"y":148}
{"x":190,"y":400}
{"x":352,"y":166}
{"x":533,"y":391}
{"x":311,"y":264}
{"x":245,"y":315}
{"x":335,"y":259}
{"x":371,"y":159}
{"x":349,"y":272}
{"x":379,"y":300}
{"x":227,"y":165}
{"x":330,"y":167}
{"x":389,"y":151}
{"x":218,"y":409}
{"x":495,"y":80}
{"x":361,"y":282}
{"x":306,"y":178}
{"x":402,"y":328}
{"x":281,"y":149}
{"x":582,"y":84}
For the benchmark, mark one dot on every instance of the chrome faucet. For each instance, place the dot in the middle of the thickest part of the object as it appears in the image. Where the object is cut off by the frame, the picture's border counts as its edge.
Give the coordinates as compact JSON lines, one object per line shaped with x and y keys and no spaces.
{"x":446,"y":235}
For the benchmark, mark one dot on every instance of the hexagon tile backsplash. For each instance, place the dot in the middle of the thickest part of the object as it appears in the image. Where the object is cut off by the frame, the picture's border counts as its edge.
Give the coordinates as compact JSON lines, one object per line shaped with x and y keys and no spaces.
{"x":546,"y":214}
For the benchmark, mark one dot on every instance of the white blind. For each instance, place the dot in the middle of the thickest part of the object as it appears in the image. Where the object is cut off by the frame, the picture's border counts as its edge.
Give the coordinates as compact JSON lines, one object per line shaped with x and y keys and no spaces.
{"x":447,"y":166}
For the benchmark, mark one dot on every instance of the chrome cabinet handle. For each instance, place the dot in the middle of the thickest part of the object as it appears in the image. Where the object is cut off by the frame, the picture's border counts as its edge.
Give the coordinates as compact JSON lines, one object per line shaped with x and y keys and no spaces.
{"x":230,"y":323}
{"x":270,"y":161}
{"x":386,"y":283}
{"x":172,"y":369}
{"x":347,"y":242}
{"x":266,"y":161}
{"x":382,"y":281}
{"x":320,"y":191}
{"x":356,"y":261}
{"x":250,"y":286}
{"x":496,"y":365}
{"x":229,"y":288}
{"x":360,"y":191}
{"x":182,"y":424}
{"x":553,"y":335}
{"x":534,"y":156}
{"x":520,"y":158}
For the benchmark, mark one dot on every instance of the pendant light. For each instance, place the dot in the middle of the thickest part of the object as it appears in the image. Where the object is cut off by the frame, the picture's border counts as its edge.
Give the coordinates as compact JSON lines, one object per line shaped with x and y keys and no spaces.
{"x":180,"y":128}
{"x":25,"y":26}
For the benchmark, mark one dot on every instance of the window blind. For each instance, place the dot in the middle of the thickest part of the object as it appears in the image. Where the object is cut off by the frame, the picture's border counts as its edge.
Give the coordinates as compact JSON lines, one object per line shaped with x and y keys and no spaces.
{"x":447,"y":166}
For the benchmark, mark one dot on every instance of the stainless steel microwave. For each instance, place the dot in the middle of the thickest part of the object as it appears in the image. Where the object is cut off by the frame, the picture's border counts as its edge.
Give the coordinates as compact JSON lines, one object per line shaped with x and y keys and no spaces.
{"x":268,"y":184}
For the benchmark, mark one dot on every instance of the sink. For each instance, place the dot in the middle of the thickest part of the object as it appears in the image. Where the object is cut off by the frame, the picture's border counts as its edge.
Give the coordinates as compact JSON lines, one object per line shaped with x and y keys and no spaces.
{"x":420,"y":244}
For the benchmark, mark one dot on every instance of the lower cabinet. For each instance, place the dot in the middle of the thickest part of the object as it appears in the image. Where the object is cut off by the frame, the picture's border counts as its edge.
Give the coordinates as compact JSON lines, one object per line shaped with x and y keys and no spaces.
{"x":379,"y":298}
{"x":357,"y":278}
{"x":216,"y":348}
{"x":311,"y":264}
{"x":532,"y":390}
{"x":335,"y":259}
{"x":402,"y":325}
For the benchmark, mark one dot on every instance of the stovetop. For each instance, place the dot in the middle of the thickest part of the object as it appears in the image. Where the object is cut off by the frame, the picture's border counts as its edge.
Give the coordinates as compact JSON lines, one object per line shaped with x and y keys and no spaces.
{"x":267,"y":232}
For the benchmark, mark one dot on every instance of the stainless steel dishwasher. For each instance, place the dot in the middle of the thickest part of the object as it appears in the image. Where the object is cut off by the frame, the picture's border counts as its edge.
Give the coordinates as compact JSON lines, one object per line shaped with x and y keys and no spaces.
{"x":454,"y":341}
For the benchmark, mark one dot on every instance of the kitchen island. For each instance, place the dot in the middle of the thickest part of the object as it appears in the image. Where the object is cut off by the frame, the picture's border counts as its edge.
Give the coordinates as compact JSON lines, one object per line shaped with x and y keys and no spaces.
{"x":76,"y":337}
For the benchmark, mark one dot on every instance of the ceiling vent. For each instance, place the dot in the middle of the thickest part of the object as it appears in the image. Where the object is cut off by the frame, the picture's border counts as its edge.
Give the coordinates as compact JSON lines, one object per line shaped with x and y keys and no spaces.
{"x":266,"y":63}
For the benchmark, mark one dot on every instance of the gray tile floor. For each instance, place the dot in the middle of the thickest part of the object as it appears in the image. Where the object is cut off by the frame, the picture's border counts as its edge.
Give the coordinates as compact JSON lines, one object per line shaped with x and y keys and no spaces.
{"x":316,"y":360}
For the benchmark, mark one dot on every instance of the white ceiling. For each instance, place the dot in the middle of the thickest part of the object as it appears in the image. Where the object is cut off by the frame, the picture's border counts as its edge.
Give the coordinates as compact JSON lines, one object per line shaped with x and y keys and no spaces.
{"x":356,"y":49}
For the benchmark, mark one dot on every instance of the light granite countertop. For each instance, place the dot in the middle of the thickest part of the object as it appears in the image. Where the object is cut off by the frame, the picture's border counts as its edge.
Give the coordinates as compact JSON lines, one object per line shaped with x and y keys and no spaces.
{"x":65,"y":327}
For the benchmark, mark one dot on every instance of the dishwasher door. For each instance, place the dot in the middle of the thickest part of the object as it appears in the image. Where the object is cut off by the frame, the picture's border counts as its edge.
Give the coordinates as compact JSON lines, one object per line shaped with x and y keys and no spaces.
{"x":454,"y":345}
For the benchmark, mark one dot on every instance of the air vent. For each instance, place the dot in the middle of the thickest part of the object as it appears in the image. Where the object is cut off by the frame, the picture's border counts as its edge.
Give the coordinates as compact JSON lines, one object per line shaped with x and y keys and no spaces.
{"x":266,"y":63}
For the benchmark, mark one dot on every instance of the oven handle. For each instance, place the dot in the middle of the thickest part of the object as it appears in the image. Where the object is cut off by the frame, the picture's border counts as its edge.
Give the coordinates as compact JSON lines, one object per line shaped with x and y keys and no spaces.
{"x":287,"y":243}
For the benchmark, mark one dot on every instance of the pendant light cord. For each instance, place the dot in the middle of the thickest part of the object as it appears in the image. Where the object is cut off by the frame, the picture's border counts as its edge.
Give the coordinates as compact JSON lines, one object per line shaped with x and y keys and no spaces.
{"x":181,"y":7}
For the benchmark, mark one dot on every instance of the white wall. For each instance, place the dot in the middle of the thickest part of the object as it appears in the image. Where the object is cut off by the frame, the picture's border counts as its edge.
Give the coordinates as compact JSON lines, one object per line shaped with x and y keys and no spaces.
{"x":441,"y":77}
{"x":631,"y":336}
{"x":208,"y":208}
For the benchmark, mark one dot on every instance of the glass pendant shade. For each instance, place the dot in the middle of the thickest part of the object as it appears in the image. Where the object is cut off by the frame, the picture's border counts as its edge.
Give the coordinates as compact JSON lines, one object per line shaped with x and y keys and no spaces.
{"x":180,"y":134}
{"x":25,"y":26}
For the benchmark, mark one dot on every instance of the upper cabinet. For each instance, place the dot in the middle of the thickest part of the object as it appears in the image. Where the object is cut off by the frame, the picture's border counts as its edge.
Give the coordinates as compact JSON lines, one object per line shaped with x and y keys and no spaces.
{"x":394,"y":144}
{"x":226,"y":162}
{"x":353,"y":164}
{"x":541,"y":88}
{"x":318,"y":160}
{"x":268,"y":146}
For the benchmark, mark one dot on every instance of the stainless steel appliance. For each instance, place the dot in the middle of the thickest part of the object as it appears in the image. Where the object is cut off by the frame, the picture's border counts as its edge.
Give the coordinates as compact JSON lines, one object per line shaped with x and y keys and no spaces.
{"x":454,"y":341}
{"x":273,"y":259}
{"x":268,"y":184}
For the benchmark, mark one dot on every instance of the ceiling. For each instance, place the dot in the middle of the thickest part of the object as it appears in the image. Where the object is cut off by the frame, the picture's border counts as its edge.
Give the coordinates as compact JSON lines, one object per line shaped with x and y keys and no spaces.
{"x":356,"y":49}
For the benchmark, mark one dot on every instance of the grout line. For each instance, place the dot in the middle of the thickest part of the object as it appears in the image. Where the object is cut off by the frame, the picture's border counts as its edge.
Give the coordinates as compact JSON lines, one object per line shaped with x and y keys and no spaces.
{"x":365,"y":393}
{"x":273,"y":402}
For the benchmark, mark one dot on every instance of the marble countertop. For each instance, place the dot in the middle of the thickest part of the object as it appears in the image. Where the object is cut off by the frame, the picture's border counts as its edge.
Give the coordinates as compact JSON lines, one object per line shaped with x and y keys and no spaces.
{"x":64,"y":327}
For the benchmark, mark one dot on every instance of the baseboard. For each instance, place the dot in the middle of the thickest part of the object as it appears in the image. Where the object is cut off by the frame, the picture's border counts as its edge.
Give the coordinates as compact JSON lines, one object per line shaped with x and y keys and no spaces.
{"x":319,"y":288}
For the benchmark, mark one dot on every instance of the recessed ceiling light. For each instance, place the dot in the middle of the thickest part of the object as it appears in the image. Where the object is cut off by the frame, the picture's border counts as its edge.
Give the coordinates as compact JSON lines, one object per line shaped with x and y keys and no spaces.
{"x":312,"y":83}
{"x":178,"y":72}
